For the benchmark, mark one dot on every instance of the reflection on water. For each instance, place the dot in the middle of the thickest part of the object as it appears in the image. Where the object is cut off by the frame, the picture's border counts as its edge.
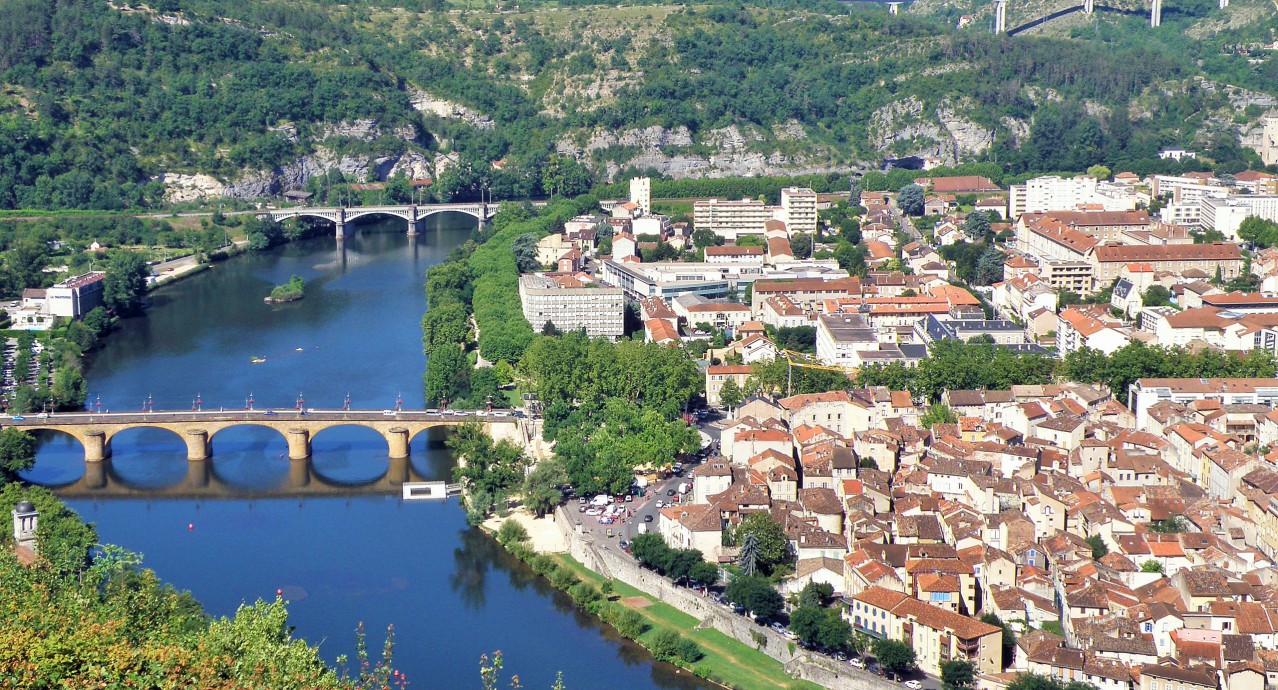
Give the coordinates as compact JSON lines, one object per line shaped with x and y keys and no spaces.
{"x":332,"y":533}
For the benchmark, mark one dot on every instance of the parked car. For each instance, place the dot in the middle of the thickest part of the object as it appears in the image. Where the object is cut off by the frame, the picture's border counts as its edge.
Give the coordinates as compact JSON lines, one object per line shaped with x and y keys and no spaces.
{"x":647,"y":518}
{"x":913,"y":684}
{"x":661,"y":503}
{"x":670,"y":492}
{"x":857,"y":663}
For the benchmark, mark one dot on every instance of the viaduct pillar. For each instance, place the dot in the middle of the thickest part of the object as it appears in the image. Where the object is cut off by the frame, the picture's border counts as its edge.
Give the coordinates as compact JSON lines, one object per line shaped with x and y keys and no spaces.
{"x":1089,"y":6}
{"x":96,"y":446}
{"x":894,"y":8}
{"x":197,"y":445}
{"x":1224,"y":4}
{"x":1156,"y":13}
{"x":343,"y":228}
{"x":1000,"y":16}
{"x":299,"y":444}
{"x":397,"y":441}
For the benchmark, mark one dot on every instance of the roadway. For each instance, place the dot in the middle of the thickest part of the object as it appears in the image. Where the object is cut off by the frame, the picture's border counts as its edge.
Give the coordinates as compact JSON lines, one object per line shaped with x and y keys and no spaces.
{"x":139,"y":417}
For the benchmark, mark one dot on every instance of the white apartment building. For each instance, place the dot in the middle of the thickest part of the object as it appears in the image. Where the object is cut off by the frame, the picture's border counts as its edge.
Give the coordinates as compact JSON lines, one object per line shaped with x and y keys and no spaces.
{"x":571,"y":306}
{"x":731,"y":219}
{"x":798,"y":209}
{"x":75,"y":296}
{"x":641,"y":194}
{"x":1225,"y":214}
{"x":841,"y":337}
{"x":1051,"y":193}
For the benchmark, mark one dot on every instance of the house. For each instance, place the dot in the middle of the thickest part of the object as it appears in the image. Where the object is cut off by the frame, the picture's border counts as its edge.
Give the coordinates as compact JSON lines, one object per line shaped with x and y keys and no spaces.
{"x":693,"y":526}
{"x":937,"y":634}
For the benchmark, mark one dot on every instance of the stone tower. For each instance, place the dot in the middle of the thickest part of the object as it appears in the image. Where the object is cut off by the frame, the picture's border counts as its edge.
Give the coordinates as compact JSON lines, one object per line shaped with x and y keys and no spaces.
{"x":25,"y":518}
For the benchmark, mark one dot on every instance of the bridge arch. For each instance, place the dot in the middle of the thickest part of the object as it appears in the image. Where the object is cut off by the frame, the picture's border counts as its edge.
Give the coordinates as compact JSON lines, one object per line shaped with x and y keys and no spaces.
{"x":330,"y":215}
{"x":477,"y":212}
{"x":404,"y":213}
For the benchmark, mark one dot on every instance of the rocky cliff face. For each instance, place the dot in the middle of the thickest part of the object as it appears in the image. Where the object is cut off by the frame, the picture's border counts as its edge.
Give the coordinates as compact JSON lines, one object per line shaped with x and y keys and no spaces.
{"x":263,"y":183}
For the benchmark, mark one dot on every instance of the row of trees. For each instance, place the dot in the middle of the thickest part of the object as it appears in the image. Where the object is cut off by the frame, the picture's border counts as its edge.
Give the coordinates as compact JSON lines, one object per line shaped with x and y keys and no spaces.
{"x":680,"y":565}
{"x":955,"y":365}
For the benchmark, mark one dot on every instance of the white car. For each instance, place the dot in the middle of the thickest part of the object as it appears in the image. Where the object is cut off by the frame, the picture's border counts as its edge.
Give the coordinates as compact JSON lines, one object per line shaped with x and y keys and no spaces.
{"x":661,"y":504}
{"x":913,"y":684}
{"x":857,"y":663}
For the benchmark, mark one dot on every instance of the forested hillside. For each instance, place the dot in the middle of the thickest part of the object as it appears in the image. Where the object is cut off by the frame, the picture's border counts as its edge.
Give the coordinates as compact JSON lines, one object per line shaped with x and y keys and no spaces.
{"x":103,"y":105}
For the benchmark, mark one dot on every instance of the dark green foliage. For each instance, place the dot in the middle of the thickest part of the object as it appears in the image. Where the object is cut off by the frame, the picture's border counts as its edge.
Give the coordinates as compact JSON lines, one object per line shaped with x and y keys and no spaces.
{"x":491,"y":469}
{"x":894,"y":656}
{"x":957,"y":674}
{"x":1264,"y":233}
{"x":63,"y":538}
{"x":1156,"y":296}
{"x":756,"y":594}
{"x":511,"y":532}
{"x":651,"y":551}
{"x":1034,"y":681}
{"x":17,"y":453}
{"x":1097,"y":544}
{"x":125,"y":283}
{"x":778,"y":376}
{"x":1137,"y":360}
{"x":938,"y":414}
{"x":668,"y":645}
{"x":956,"y":365}
{"x":797,"y":338}
{"x":770,"y":541}
{"x":820,"y":627}
{"x":910,"y":200}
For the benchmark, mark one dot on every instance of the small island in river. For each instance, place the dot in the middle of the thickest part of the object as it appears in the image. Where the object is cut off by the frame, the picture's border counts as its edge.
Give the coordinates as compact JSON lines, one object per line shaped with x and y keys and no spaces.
{"x":292,"y":291}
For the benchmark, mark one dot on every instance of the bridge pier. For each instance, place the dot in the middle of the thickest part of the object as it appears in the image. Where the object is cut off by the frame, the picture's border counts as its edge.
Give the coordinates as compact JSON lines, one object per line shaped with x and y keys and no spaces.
{"x":894,"y":8}
{"x":1089,"y":6}
{"x":1000,"y":16}
{"x":416,"y":227}
{"x":343,"y":230}
{"x":97,"y":447}
{"x":1224,"y":4}
{"x":397,"y":442}
{"x":1156,"y":13}
{"x":299,"y":444}
{"x":197,"y":445}
{"x":397,"y":472}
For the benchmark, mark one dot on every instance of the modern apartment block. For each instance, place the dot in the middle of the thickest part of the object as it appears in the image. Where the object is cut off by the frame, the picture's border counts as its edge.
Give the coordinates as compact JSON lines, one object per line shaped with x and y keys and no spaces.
{"x":798,"y":209}
{"x":570,"y":305}
{"x":731,"y":219}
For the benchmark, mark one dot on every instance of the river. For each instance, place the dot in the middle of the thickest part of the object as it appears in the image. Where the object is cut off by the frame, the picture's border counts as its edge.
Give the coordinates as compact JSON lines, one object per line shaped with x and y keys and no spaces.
{"x":451,"y":593}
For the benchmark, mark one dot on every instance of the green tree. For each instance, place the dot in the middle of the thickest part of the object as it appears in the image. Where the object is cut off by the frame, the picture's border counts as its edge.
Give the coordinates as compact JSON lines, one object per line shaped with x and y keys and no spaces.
{"x":1151,"y":566}
{"x":565,"y":176}
{"x":1097,"y":545}
{"x":17,"y":453}
{"x":938,"y":413}
{"x":910,"y":200}
{"x":773,"y":545}
{"x":730,"y":395}
{"x":756,"y":595}
{"x":1156,"y":296}
{"x":801,"y":245}
{"x":957,"y":674}
{"x":1100,"y":172}
{"x":820,"y":627}
{"x":977,"y":224}
{"x":125,"y":283}
{"x":98,"y":321}
{"x":542,"y":492}
{"x":894,"y":656}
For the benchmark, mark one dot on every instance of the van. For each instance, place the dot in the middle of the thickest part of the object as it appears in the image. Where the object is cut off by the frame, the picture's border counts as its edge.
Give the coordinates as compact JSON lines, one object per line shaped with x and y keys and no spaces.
{"x":643,"y":528}
{"x":600,"y":500}
{"x":389,"y":413}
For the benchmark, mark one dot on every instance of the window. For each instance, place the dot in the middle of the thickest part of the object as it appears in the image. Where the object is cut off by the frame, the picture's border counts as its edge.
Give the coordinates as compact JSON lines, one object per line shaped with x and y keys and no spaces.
{"x":1147,"y":627}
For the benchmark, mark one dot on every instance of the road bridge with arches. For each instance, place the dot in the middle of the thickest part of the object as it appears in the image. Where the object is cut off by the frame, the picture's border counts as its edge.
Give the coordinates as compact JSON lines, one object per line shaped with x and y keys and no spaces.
{"x":198,"y":428}
{"x":342,"y":216}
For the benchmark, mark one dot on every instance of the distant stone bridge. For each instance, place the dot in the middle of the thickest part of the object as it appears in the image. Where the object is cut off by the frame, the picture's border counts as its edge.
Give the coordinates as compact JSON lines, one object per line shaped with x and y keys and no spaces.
{"x":414,"y":214}
{"x":197,"y":429}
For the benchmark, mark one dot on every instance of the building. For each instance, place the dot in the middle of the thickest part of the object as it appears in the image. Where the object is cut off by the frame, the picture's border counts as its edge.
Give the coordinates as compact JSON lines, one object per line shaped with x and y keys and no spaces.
{"x":840,"y":337}
{"x":732,"y":254}
{"x":75,"y":296}
{"x":1223,"y":257}
{"x":937,"y":634}
{"x":693,"y":526}
{"x":641,"y":194}
{"x":1226,"y":214}
{"x":798,"y":209}
{"x":1144,"y":393}
{"x":1176,"y":154}
{"x":1269,"y":140}
{"x":732,"y":219}
{"x":1051,"y":193}
{"x":719,"y":374}
{"x":571,"y":305}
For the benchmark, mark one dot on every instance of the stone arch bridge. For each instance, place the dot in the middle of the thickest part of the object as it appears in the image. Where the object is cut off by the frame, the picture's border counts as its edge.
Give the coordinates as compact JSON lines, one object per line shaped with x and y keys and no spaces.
{"x":197,"y":429}
{"x":414,"y":214}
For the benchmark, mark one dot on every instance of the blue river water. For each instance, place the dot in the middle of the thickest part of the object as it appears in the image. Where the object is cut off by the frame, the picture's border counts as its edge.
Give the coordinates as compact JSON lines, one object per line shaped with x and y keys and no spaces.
{"x":359,"y":555}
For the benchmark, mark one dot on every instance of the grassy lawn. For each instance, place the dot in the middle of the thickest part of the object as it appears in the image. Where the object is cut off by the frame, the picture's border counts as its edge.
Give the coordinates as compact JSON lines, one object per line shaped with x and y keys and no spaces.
{"x":729,"y":662}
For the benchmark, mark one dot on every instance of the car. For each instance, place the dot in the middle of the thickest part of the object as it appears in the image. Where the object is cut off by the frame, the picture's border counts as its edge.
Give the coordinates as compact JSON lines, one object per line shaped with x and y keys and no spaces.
{"x":269,"y":413}
{"x":581,"y":508}
{"x":913,"y":684}
{"x":499,"y":413}
{"x":389,"y":413}
{"x":857,"y":663}
{"x":647,"y":518}
{"x":432,"y":410}
{"x":592,"y":511}
{"x":777,"y":627}
{"x":624,"y":545}
{"x":582,"y":500}
{"x":661,"y":503}
{"x":18,"y":418}
{"x":630,"y":498}
{"x":670,"y":492}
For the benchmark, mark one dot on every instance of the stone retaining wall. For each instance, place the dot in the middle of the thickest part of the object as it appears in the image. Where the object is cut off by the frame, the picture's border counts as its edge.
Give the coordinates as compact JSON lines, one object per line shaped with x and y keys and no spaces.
{"x":799,"y":663}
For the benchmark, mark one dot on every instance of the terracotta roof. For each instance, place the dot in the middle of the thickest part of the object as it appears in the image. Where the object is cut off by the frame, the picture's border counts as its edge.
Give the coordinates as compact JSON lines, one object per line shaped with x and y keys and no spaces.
{"x":1127,"y":253}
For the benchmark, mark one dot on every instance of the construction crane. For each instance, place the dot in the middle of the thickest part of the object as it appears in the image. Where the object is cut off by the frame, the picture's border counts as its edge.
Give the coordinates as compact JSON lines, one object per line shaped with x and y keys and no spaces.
{"x":790,"y":356}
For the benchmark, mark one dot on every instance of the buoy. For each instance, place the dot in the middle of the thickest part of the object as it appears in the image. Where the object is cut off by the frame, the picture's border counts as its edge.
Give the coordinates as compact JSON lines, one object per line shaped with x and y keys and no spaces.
{"x":279,"y":592}
{"x":190,"y":526}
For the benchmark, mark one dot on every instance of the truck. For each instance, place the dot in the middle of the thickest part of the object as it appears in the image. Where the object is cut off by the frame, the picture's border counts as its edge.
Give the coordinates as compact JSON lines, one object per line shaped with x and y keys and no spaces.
{"x":685,"y":488}
{"x":643,"y":528}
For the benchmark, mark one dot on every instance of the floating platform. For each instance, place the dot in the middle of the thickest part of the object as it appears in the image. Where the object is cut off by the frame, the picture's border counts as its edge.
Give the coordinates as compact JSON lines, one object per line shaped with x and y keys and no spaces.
{"x":430,"y":491}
